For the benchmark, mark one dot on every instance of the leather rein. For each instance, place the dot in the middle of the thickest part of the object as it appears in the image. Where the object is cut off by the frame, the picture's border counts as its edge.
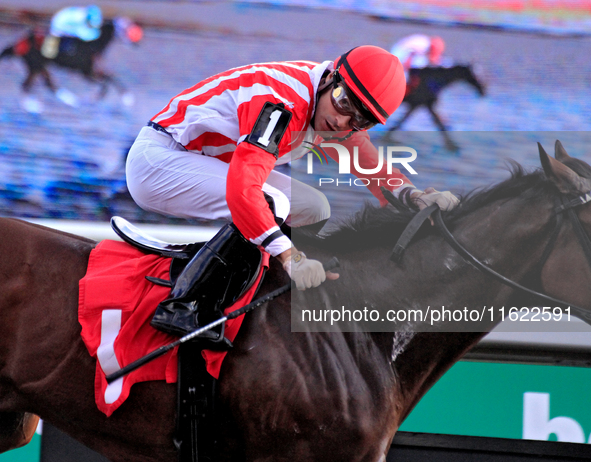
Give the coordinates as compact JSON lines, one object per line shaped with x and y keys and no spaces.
{"x":566,"y":207}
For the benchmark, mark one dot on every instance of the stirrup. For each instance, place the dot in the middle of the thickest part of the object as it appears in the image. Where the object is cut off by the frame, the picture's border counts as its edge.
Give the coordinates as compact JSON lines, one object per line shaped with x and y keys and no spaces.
{"x":217,"y":342}
{"x":180,"y":322}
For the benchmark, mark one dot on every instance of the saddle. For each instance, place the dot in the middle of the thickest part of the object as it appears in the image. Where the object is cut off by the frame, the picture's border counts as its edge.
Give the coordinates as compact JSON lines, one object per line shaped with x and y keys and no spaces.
{"x":196,"y":389}
{"x":137,"y":238}
{"x":180,"y":253}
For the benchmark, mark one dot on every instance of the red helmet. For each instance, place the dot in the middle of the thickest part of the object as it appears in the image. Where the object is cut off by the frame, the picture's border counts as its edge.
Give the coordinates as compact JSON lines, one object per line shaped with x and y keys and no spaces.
{"x":436,"y":49}
{"x":134,"y":33}
{"x":375,"y":76}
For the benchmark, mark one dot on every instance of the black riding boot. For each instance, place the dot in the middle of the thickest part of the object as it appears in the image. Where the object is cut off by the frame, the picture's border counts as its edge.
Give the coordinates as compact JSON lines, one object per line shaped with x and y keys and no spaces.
{"x":213,"y":280}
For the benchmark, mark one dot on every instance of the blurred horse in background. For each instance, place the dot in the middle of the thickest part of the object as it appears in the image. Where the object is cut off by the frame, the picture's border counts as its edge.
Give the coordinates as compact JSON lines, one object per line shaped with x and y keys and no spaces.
{"x":423,"y":89}
{"x":74,"y":54}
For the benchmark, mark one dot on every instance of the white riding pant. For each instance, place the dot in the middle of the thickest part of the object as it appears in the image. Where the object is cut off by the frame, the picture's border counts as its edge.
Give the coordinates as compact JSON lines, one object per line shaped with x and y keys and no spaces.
{"x":163,"y":177}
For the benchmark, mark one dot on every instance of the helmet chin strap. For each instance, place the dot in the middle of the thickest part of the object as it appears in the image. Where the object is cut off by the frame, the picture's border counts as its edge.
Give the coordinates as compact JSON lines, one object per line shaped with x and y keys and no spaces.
{"x":325,"y":82}
{"x":341,"y":138}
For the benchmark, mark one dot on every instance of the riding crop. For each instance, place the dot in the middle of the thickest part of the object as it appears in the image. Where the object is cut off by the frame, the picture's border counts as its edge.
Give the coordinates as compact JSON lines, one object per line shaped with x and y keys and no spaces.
{"x":331,"y":264}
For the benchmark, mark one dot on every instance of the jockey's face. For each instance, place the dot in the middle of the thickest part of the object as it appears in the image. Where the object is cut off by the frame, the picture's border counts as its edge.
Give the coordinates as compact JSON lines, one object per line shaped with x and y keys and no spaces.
{"x":344,"y":112}
{"x":327,"y":118}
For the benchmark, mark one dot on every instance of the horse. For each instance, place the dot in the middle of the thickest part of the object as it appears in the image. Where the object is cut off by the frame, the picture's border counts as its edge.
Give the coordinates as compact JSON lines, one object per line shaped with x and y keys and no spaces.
{"x":423,"y":89}
{"x":74,"y":54}
{"x":307,"y":395}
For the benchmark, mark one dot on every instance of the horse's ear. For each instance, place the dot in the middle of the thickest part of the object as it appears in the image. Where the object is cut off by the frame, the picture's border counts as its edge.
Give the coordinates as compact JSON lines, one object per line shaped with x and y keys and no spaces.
{"x":563,"y":177}
{"x":560,"y":152}
{"x":544,"y":158}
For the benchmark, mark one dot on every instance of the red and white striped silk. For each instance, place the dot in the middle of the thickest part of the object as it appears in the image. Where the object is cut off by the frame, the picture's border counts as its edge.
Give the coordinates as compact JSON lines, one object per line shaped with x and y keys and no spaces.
{"x":214,"y":116}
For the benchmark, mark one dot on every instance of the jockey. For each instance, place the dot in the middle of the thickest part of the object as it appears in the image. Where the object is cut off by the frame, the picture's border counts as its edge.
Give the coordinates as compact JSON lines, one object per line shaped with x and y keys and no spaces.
{"x":81,"y":22}
{"x":418,"y":50}
{"x":211,"y":152}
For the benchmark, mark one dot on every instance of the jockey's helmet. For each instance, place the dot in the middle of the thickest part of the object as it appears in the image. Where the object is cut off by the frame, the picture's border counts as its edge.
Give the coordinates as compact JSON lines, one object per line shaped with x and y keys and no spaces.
{"x":127,"y":29}
{"x":94,"y":16}
{"x":436,"y":49}
{"x":135,"y":33}
{"x":375,"y":77}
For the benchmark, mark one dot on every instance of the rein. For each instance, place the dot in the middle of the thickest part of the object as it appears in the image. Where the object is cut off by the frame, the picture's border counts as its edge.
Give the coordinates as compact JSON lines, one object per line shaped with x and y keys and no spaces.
{"x":468,"y":257}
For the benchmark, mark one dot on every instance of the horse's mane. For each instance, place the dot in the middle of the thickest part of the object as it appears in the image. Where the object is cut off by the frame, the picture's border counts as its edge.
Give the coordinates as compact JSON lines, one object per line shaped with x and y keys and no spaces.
{"x":368,"y":227}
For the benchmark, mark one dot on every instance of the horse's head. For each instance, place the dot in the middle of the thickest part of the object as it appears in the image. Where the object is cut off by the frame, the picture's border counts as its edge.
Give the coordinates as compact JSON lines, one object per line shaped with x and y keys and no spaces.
{"x":466,"y":73}
{"x":127,"y":30}
{"x":567,"y":272}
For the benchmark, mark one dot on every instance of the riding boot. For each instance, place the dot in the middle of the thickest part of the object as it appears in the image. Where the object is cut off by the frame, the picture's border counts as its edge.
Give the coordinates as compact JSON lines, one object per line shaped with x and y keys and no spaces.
{"x":222,"y":270}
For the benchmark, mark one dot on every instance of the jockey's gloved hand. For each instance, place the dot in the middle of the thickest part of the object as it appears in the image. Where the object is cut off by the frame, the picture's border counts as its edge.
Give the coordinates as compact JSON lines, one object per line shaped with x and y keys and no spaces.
{"x":445,"y":199}
{"x":306,"y":273}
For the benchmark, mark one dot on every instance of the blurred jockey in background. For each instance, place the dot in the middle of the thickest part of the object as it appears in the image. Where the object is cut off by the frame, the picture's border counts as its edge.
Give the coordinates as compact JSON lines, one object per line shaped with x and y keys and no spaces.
{"x":81,"y":22}
{"x":419,"y":50}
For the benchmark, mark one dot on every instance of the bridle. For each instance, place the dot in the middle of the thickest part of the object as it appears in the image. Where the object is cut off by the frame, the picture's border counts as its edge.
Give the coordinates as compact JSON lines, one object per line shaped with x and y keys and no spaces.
{"x":582,"y":236}
{"x":566,"y":207}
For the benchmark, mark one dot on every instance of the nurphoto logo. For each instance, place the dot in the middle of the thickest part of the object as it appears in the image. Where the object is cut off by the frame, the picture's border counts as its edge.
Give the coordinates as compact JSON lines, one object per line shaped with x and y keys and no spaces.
{"x":349,"y":162}
{"x":315,"y":149}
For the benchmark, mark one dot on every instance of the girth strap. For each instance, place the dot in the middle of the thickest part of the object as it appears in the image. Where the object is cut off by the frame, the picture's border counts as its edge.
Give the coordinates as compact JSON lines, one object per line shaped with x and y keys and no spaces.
{"x":195,"y":430}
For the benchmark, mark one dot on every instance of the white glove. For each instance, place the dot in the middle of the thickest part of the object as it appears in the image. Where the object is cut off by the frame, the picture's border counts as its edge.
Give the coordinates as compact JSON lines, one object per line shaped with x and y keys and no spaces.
{"x":305,"y":273}
{"x":445,"y":199}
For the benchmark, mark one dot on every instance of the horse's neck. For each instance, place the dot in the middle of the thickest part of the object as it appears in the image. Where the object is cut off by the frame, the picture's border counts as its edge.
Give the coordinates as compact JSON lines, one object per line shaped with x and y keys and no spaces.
{"x":508,"y":235}
{"x":451,"y":75}
{"x":423,"y":357}
{"x":107,"y":34}
{"x":511,"y":239}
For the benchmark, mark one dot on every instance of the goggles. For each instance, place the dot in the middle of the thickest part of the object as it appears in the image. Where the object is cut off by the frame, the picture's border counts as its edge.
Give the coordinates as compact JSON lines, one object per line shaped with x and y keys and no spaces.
{"x":346,"y":104}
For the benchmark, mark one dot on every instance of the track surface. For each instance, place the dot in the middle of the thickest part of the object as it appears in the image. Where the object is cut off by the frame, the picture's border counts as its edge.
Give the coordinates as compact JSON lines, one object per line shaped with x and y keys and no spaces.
{"x":68,"y":162}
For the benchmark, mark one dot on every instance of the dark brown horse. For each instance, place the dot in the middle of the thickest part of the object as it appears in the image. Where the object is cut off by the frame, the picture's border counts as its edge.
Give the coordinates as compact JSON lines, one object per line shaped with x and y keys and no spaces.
{"x":423,"y":89}
{"x":74,"y":54}
{"x":286,"y":395}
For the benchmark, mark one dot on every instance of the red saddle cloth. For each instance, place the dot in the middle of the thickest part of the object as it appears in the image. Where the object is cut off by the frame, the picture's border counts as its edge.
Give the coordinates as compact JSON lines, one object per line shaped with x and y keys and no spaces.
{"x":116,"y":305}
